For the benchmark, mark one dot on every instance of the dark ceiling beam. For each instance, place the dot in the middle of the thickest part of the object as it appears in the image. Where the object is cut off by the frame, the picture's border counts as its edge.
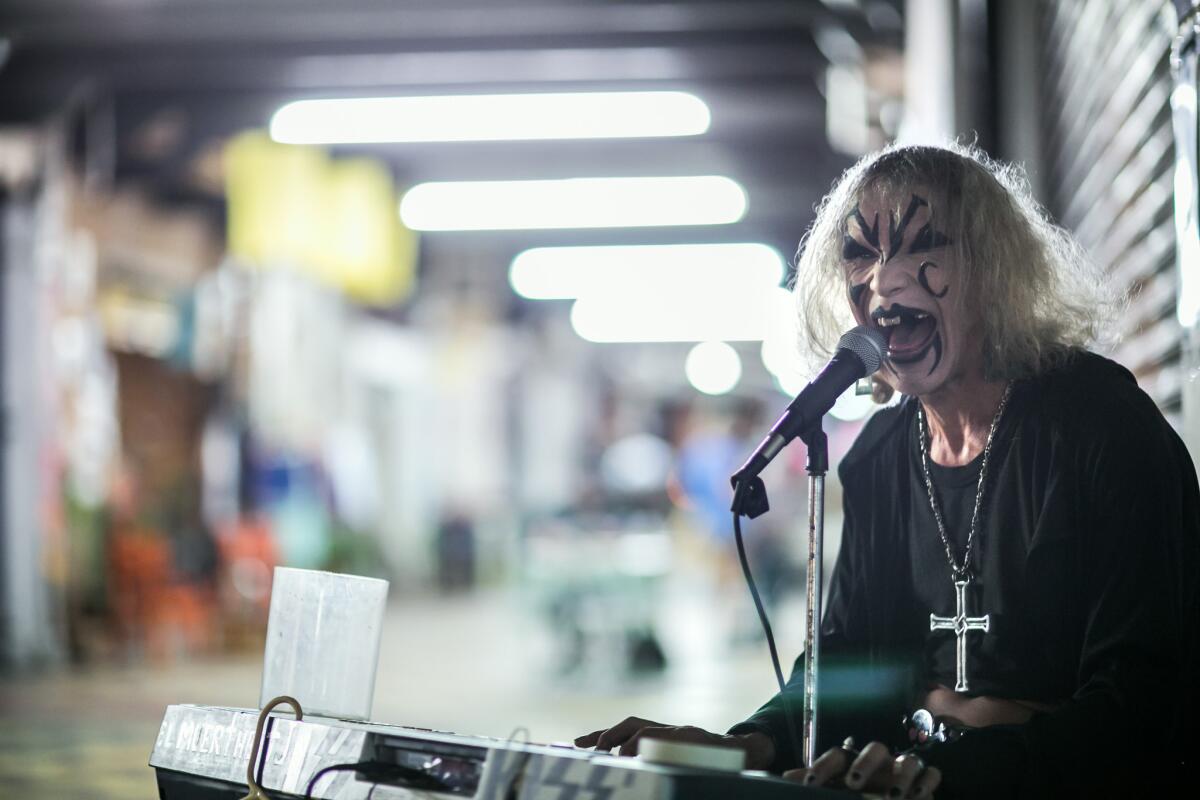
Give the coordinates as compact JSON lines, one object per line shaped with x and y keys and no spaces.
{"x":780,"y":224}
{"x":112,"y":26}
{"x":31,"y":86}
{"x":184,"y":71}
{"x":751,"y":163}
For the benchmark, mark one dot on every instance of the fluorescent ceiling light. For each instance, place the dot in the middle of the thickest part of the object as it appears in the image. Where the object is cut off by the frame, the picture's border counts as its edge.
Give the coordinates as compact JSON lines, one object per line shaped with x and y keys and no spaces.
{"x":781,"y":353}
{"x":561,"y":273}
{"x":573,"y":203}
{"x":473,"y":118}
{"x":691,"y":314}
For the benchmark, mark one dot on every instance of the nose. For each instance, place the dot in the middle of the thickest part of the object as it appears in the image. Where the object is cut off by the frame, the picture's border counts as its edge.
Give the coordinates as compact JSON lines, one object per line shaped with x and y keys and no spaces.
{"x":889,"y":278}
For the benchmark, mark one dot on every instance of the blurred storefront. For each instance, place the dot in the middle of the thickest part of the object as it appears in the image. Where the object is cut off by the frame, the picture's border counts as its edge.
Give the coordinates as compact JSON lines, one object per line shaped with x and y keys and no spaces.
{"x":227,"y":351}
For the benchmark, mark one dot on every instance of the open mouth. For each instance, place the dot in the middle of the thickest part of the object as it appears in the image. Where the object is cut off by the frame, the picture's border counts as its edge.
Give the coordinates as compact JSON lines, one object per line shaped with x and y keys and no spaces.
{"x":910,"y":333}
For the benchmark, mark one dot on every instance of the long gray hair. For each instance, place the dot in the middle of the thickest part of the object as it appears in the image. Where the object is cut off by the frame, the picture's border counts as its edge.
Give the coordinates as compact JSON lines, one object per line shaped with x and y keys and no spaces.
{"x":1036,"y":292}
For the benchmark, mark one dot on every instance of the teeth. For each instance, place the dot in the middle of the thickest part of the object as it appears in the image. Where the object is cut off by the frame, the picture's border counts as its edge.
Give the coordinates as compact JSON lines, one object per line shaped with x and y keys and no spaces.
{"x":891,"y":322}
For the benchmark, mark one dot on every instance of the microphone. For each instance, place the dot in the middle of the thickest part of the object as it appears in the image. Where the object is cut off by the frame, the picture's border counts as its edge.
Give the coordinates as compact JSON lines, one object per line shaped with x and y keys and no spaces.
{"x":859,"y":353}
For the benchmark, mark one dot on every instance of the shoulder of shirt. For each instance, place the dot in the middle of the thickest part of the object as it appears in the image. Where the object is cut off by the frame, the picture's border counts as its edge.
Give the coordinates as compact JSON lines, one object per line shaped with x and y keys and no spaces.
{"x":884,"y":430}
{"x":1088,"y":390}
{"x":1095,"y":406}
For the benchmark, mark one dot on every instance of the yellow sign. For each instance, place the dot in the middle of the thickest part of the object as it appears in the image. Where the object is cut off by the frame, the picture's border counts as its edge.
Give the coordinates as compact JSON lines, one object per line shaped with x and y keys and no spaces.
{"x":292,"y":207}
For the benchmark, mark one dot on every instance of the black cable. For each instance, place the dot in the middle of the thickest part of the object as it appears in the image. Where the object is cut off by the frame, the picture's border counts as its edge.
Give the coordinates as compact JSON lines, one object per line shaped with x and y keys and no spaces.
{"x":321,"y":773}
{"x":766,"y":623}
{"x":377,"y":772}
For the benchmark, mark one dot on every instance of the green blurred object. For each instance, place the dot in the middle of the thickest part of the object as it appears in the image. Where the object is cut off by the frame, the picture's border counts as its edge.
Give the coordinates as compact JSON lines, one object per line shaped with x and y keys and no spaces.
{"x":355,"y":553}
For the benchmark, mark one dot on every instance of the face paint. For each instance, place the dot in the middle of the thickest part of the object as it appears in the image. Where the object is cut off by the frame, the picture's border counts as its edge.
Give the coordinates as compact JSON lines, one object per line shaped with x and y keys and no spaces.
{"x":896,"y":232}
{"x":900,"y":278}
{"x":923,"y":279}
{"x":858,"y":293}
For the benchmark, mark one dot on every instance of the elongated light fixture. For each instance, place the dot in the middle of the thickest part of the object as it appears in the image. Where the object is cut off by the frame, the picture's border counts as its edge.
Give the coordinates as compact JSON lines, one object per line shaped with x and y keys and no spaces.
{"x":474,"y":118}
{"x":573,"y":203}
{"x":562,"y":273}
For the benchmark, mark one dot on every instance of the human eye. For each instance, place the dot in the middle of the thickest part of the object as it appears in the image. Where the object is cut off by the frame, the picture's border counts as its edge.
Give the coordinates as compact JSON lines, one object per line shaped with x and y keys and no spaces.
{"x":853,"y":250}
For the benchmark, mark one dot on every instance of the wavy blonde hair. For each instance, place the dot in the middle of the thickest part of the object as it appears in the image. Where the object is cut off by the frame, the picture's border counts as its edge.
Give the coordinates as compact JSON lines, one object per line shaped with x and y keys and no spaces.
{"x":1037,"y":293}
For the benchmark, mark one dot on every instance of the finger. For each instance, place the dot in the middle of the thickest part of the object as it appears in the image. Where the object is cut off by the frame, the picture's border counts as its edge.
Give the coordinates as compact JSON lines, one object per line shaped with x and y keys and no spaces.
{"x":926,"y":783}
{"x":796,"y":774}
{"x":630,"y":748}
{"x":905,"y":770}
{"x":829,"y":765}
{"x":874,"y":757}
{"x":589,"y":739}
{"x":620,"y":733}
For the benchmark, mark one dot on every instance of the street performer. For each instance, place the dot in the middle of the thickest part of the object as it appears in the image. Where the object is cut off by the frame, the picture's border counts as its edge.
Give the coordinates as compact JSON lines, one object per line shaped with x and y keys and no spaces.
{"x":1014,"y":609}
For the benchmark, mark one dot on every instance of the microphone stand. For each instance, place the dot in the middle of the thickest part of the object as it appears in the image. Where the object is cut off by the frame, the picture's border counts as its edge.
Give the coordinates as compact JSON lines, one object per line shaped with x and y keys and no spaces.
{"x":816,"y":465}
{"x":750,"y":500}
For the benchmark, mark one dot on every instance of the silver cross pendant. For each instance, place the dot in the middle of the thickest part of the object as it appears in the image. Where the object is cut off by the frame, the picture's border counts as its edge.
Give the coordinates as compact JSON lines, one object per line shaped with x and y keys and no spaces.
{"x":960,"y":623}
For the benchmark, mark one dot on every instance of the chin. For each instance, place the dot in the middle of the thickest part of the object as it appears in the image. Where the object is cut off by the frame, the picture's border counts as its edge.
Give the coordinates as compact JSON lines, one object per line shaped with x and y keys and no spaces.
{"x":917,"y":378}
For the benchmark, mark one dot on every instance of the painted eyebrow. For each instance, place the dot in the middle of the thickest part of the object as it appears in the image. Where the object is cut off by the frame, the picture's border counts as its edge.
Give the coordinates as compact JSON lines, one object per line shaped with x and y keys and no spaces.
{"x":870,"y":232}
{"x":927,"y":239}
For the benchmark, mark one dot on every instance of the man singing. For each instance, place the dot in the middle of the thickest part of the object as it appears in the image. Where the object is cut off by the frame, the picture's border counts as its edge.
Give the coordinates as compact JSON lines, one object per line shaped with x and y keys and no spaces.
{"x":1014,"y":610}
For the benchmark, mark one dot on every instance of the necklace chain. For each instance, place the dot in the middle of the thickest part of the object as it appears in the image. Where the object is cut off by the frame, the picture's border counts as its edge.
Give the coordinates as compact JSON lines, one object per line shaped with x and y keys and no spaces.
{"x":959,"y":572}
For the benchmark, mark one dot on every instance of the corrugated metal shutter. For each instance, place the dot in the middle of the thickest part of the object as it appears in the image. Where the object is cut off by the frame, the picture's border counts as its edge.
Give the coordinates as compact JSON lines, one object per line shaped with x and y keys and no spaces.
{"x":1109,"y":161}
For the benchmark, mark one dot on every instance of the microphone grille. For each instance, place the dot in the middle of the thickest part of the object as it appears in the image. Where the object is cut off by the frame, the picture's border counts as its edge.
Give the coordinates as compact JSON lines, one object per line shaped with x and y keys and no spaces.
{"x":866,"y":343}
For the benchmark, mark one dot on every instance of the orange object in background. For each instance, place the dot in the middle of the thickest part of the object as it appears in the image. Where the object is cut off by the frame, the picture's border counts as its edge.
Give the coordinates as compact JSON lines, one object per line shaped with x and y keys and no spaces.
{"x":248,"y":556}
{"x":154,"y":613}
{"x":164,"y":618}
{"x":139,"y":563}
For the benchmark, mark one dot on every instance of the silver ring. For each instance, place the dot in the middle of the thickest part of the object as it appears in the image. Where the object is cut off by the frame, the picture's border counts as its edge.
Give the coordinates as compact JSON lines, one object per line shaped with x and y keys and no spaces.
{"x":849,"y":750}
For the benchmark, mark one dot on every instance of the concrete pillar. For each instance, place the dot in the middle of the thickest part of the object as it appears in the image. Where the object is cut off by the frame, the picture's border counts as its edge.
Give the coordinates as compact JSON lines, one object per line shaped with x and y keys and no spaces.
{"x":929,"y":72}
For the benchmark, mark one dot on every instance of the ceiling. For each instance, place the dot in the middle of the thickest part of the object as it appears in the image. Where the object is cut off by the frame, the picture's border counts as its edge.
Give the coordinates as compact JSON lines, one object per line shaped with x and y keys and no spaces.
{"x":157,"y":84}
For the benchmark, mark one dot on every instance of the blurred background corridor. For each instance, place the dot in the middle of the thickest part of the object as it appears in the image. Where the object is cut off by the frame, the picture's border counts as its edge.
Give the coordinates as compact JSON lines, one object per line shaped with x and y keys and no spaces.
{"x":487,"y":299}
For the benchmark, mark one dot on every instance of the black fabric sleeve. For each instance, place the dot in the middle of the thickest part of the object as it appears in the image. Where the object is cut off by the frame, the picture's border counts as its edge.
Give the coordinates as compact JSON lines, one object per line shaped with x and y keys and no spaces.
{"x":1123,"y":729}
{"x":852,"y":686}
{"x":771,"y":717}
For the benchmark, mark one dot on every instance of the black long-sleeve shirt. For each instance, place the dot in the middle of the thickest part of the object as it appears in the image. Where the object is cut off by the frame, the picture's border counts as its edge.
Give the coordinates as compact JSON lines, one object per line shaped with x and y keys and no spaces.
{"x":1085,"y":560}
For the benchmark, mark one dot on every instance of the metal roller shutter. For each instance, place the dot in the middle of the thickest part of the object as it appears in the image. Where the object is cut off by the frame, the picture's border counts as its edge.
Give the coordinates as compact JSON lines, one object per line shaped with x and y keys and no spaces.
{"x":1109,"y":161}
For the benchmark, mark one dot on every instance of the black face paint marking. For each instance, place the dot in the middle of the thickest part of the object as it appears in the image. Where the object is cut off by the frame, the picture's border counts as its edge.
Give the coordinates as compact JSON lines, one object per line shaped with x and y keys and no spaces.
{"x":870,"y":232}
{"x":935,"y":344}
{"x":923,"y":279}
{"x":896,"y":232}
{"x":927,"y":239}
{"x":856,"y":296}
